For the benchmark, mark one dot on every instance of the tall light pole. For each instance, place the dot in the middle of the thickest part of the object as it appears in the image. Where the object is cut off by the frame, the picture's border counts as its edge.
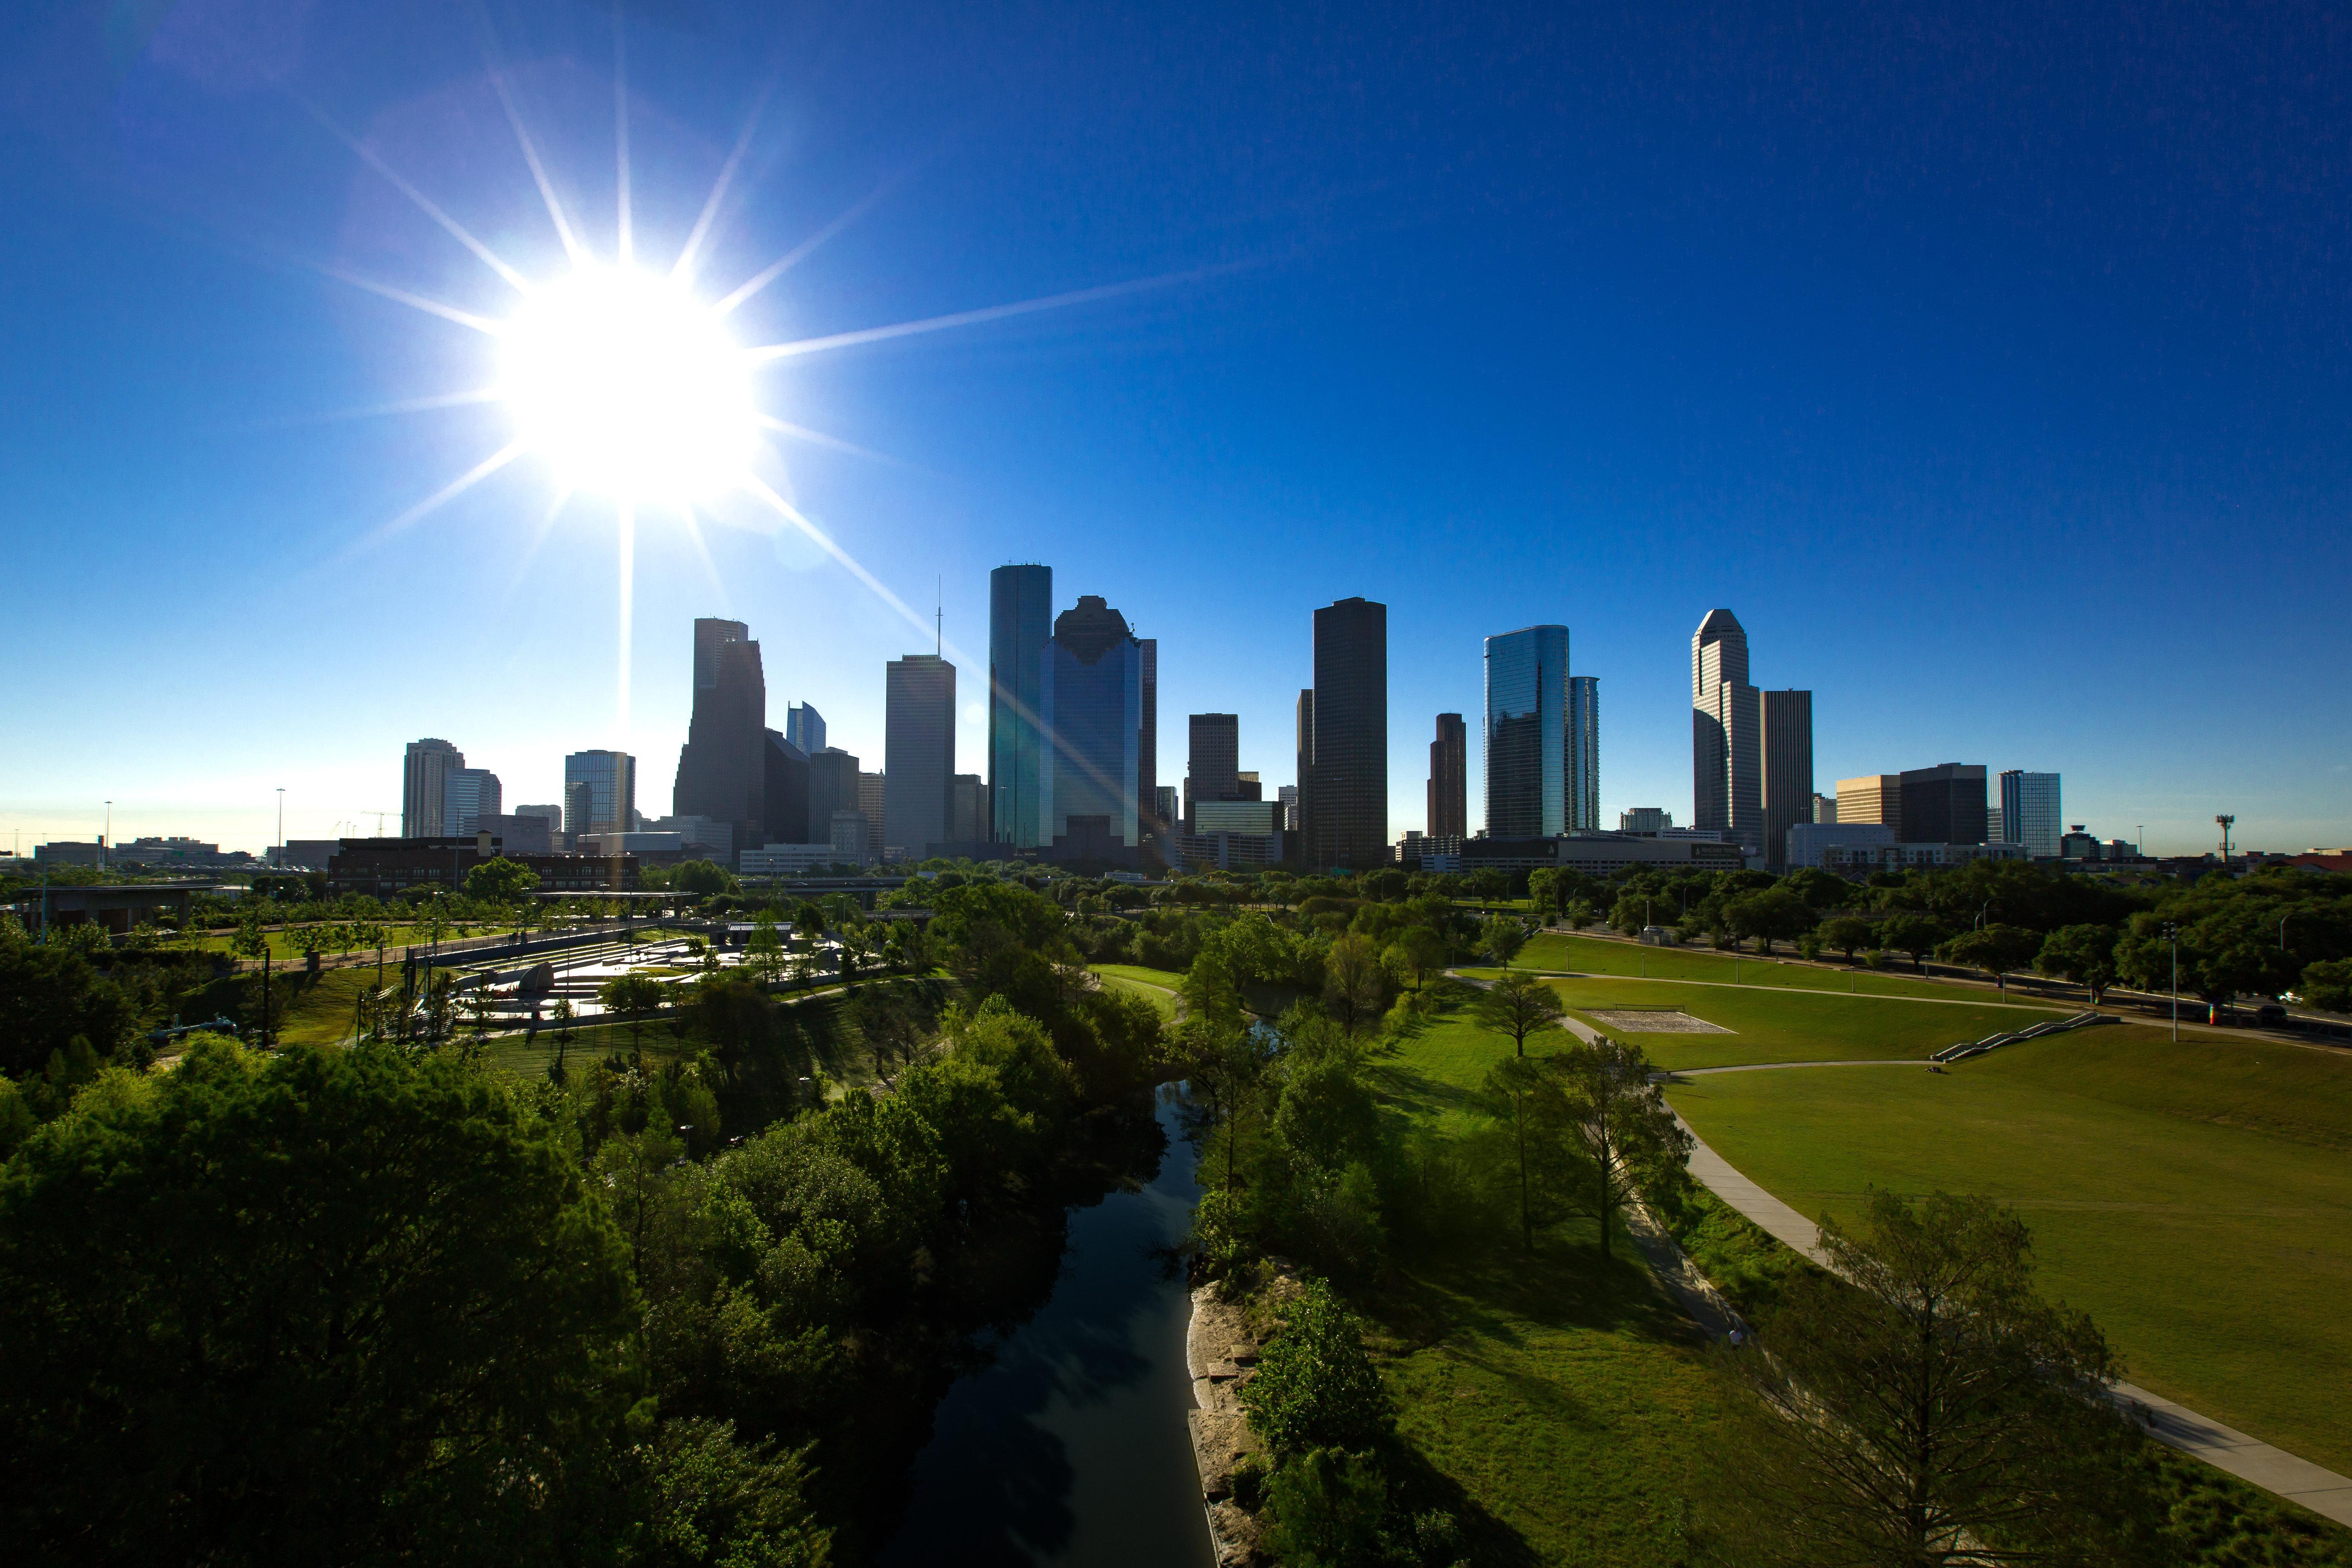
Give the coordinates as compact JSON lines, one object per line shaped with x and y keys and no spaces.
{"x":106,"y":840}
{"x":2226,"y":820}
{"x":280,"y":857}
{"x":2172,"y":938}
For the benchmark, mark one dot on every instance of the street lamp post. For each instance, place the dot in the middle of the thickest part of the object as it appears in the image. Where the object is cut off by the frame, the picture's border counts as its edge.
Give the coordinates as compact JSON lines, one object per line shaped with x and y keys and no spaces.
{"x":2172,"y":938}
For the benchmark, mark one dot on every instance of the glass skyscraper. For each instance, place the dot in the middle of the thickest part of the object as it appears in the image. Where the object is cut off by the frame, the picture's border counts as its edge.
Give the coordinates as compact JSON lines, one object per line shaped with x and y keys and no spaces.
{"x":1346,"y":804}
{"x":606,"y":785}
{"x":919,"y":752}
{"x":1020,"y":623}
{"x":1584,"y":754}
{"x":1529,"y":736}
{"x":1092,"y":700}
{"x":1726,"y":733}
{"x":2031,"y":812}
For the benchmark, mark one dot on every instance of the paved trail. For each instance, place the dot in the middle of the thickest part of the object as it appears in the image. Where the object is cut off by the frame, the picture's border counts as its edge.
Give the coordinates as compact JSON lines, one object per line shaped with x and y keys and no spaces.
{"x":2321,"y":1490}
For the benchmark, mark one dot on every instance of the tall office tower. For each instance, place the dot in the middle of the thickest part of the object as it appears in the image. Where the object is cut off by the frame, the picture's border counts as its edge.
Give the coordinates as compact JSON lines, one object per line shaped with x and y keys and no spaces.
{"x":1020,"y":623}
{"x":833,"y":786}
{"x":872,"y":798}
{"x":1289,"y":796}
{"x":917,"y":752}
{"x":1872,"y":798}
{"x":1788,"y":742}
{"x":611,"y":798}
{"x":1169,"y":808}
{"x":784,"y":795}
{"x":1825,"y":810}
{"x":805,"y":728}
{"x":1147,"y":740}
{"x":1093,"y":703}
{"x":722,"y":768}
{"x":1584,"y":754}
{"x":579,"y":808}
{"x":2030,"y":812}
{"x":968,"y":801}
{"x":467,"y":796}
{"x":1213,"y":765}
{"x":1648,"y":821}
{"x":1348,"y":788}
{"x":1449,"y":779}
{"x":424,"y":784}
{"x":1302,"y":808}
{"x":1528,"y":733}
{"x":1726,"y":751}
{"x":1943,"y":805}
{"x":553,"y":814}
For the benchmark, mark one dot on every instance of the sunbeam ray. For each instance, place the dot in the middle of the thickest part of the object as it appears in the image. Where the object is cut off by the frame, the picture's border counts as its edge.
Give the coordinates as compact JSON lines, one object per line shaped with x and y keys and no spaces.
{"x":799,"y":253}
{"x":424,"y":203}
{"x":447,"y":493}
{"x":561,"y":498}
{"x":773,"y":351}
{"x":825,"y":541}
{"x":380,"y":410}
{"x":402,"y":296}
{"x":628,"y":250}
{"x":684,"y":270}
{"x":702,"y":549}
{"x":628,"y":532}
{"x":563,"y":231}
{"x":819,"y":438}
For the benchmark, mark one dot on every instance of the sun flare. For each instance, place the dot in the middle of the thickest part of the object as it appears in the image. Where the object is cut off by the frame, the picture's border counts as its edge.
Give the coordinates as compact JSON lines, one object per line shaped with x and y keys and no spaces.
{"x":627,"y":386}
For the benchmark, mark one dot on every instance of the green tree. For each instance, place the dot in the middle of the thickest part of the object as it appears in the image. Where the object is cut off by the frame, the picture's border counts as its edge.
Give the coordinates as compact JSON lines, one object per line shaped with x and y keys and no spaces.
{"x":501,"y":881}
{"x":1326,"y":1509}
{"x":2085,"y":955}
{"x":705,"y":876}
{"x":1523,"y":1097}
{"x":1994,"y":950}
{"x":715,"y":1502}
{"x":1518,"y":1005}
{"x":1355,"y":985}
{"x":1846,"y":934}
{"x":634,"y":994}
{"x":1419,"y":953}
{"x":321,"y":1307}
{"x":1315,"y":1386}
{"x":764,"y":954}
{"x":1913,"y":933}
{"x":1620,"y":1124}
{"x":1579,"y":914}
{"x":1923,"y":1405}
{"x":1501,"y":938}
{"x":2328,"y":984}
{"x":249,"y":941}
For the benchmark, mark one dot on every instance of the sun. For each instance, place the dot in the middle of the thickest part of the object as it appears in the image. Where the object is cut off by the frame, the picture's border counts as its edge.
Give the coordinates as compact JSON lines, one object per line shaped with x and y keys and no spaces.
{"x":628,"y":386}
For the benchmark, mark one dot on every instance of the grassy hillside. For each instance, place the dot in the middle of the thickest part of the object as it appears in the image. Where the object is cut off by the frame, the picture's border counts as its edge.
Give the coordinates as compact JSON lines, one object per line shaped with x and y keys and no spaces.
{"x":2193,"y":1198}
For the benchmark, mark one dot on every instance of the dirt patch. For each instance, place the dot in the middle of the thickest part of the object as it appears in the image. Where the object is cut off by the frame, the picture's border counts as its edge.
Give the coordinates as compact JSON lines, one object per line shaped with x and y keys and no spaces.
{"x":1655,"y":1021}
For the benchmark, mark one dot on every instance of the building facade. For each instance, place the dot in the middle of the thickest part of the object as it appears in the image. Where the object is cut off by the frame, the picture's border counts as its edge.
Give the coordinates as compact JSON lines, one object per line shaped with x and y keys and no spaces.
{"x":424,"y":786}
{"x":1347,"y":794}
{"x":1301,"y":809}
{"x":722,"y":767}
{"x":918,"y":751}
{"x":520,"y":832}
{"x":1448,"y":808}
{"x":872,"y":798}
{"x":833,"y":786}
{"x":1020,"y":625}
{"x":2031,"y":812}
{"x":1212,"y":762}
{"x":1147,"y":740}
{"x":1584,"y":754}
{"x":1943,"y":804}
{"x":1093,"y":703}
{"x":1872,"y":798}
{"x":1727,"y":740}
{"x":1527,"y":733}
{"x":805,"y":728}
{"x":1807,"y":843}
{"x":1788,"y":745}
{"x":467,"y":796}
{"x":968,"y":803}
{"x":1648,"y":821}
{"x":603,"y":787}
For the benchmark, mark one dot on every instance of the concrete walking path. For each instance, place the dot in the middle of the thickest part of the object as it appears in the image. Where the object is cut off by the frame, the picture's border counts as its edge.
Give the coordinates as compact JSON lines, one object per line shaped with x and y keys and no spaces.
{"x":2321,"y":1490}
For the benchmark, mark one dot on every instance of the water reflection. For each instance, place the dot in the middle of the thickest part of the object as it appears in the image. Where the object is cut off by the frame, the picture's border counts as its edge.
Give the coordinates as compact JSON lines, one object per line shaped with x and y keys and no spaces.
{"x":1071,"y":1448}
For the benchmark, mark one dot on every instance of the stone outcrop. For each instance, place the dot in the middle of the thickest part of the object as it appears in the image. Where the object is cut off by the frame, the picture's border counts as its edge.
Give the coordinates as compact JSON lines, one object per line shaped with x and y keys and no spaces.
{"x":1221,"y":1351}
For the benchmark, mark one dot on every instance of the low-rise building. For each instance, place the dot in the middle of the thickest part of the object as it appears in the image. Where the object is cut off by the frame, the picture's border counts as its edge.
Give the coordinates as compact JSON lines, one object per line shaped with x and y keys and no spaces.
{"x":386,"y":868}
{"x":70,"y":852}
{"x":794,"y":859}
{"x":1858,"y":860}
{"x":1600,"y":854}
{"x":1809,"y":841}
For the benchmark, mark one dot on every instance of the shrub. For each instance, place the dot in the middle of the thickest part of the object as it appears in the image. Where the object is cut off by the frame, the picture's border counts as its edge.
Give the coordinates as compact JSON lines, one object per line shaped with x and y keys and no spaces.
{"x":1315,"y":1387}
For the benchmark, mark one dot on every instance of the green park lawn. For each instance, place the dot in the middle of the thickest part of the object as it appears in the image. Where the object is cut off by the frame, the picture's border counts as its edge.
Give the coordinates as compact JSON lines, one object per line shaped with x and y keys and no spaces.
{"x":1792,"y":1025}
{"x":1593,"y":955}
{"x":1561,"y":1399}
{"x":1166,"y":979}
{"x":2192,"y":1197}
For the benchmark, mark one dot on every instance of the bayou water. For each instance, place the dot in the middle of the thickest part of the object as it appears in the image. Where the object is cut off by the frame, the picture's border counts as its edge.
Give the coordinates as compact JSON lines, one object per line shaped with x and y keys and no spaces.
{"x":1071,"y":1447}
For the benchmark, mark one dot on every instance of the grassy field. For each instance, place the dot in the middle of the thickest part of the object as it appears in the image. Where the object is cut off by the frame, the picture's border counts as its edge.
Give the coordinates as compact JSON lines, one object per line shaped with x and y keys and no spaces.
{"x":2192,"y":1197}
{"x":1592,"y":956}
{"x":1790,"y":1025}
{"x":1562,"y":1397}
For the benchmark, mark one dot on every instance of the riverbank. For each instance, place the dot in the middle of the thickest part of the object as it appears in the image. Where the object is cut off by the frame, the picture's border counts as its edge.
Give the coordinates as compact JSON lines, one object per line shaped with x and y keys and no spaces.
{"x":1221,"y":1352}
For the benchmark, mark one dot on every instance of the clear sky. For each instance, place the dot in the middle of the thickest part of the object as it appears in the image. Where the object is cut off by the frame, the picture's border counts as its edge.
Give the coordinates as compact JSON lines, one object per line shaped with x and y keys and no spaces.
{"x":1989,"y":362}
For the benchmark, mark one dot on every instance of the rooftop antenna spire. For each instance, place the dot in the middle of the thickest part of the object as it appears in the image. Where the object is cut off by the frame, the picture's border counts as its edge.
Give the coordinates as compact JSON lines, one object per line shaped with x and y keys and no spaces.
{"x":939,"y":618}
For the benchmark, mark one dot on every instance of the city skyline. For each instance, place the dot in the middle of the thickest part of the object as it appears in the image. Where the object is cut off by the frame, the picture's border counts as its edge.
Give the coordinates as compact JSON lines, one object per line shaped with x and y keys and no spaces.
{"x":1271,"y":361}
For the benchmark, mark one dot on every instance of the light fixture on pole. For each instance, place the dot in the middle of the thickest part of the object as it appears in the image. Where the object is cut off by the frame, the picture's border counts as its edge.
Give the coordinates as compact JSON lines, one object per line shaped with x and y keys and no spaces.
{"x":2172,"y":938}
{"x":278,"y":859}
{"x":2227,"y":822}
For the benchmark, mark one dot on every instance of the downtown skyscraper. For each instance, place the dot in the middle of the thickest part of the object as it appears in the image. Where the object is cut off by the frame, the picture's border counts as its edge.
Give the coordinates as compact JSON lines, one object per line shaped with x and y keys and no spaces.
{"x":919,"y":752}
{"x":1020,"y":625}
{"x":1448,"y":807}
{"x":1092,"y":700}
{"x":1345,"y":800}
{"x":722,"y":768}
{"x":1751,"y":751}
{"x":1529,"y":736}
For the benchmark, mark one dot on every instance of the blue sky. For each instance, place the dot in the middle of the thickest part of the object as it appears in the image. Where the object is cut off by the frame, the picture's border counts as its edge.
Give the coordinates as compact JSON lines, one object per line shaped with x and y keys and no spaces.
{"x":1990,"y":363}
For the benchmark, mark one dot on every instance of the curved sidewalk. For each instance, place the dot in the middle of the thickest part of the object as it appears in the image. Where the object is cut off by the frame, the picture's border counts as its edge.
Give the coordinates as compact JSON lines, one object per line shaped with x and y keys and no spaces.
{"x":2321,"y":1490}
